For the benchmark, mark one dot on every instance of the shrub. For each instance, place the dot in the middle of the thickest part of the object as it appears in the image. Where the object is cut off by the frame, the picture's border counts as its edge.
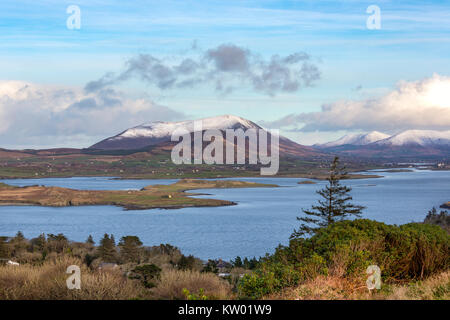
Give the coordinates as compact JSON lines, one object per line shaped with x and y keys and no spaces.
{"x":148,"y":273}
{"x":189,"y":263}
{"x":211,"y":266}
{"x":347,"y":248}
{"x":195,"y":296}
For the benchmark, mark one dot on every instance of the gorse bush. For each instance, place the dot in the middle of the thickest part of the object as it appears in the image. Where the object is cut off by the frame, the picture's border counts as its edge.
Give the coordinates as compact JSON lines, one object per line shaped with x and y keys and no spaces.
{"x":347,"y":248}
{"x":195,"y":296}
{"x":148,"y":273}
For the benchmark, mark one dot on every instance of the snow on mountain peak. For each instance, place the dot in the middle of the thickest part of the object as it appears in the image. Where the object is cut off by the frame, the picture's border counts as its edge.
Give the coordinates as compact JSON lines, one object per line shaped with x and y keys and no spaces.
{"x":418,"y":137}
{"x":159,"y":129}
{"x":358,"y":139}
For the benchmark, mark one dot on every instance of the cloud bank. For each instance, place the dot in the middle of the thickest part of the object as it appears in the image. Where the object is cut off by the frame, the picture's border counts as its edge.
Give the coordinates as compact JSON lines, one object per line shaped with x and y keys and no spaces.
{"x":34,"y":115}
{"x":227,"y":67}
{"x":423,"y":104}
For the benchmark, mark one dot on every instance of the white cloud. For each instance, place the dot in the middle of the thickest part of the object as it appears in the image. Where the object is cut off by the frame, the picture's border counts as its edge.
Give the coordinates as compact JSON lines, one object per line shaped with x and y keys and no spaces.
{"x":33,"y":115}
{"x":421,"y":104}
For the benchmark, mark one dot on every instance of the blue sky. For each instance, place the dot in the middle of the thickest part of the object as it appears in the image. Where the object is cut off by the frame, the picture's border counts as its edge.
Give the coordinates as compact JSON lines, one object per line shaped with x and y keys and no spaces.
{"x":355,"y":63}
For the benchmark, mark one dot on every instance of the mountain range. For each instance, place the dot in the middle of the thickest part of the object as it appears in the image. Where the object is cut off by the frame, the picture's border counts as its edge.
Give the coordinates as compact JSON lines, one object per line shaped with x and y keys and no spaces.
{"x":155,"y":138}
{"x":409,"y":144}
{"x":358,"y":139}
{"x":406,"y":145}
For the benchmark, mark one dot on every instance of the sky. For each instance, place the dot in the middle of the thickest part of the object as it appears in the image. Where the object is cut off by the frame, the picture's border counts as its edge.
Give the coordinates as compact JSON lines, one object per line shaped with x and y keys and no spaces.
{"x":313,"y":69}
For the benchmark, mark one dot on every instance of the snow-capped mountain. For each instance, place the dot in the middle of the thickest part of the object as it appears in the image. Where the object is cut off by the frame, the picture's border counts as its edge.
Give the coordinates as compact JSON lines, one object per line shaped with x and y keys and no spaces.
{"x":158,"y":134}
{"x":418,"y":138}
{"x":153,"y":133}
{"x":358,"y":139}
{"x":160,"y":129}
{"x":406,"y":145}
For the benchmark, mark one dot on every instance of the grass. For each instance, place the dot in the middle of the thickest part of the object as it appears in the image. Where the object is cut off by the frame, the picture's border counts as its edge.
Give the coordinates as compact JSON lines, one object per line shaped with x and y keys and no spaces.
{"x":4,"y":186}
{"x":436,"y":287}
{"x":48,"y":282}
{"x":149,"y":165}
{"x":172,"y":283}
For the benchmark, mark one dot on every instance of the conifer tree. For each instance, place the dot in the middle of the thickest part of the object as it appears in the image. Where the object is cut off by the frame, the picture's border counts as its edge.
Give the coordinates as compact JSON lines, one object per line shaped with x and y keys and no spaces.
{"x":90,"y":240}
{"x":107,"y":248}
{"x":4,"y":249}
{"x":334,"y":205}
{"x":130,"y":247}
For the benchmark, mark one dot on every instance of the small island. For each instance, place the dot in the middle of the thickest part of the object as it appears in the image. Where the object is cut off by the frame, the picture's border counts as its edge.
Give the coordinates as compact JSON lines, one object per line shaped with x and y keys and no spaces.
{"x":306,"y":182}
{"x":324,"y":176}
{"x":397,"y":170}
{"x":172,"y":196}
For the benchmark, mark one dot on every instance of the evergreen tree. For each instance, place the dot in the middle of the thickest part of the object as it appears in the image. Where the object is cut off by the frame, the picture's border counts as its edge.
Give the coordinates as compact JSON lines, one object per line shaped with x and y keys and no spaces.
{"x":18,"y":243}
{"x":90,"y":240}
{"x":237,"y":262}
{"x":19,"y":236}
{"x":130,"y":247}
{"x":211,"y":266}
{"x":39,"y":244}
{"x":252,"y":263}
{"x":334,"y":205}
{"x":4,"y":248}
{"x":186,"y":263}
{"x":107,"y":248}
{"x":57,"y":243}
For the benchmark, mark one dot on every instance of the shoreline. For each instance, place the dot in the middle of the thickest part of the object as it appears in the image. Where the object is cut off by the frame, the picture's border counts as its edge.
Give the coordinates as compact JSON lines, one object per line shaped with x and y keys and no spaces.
{"x":350,"y":176}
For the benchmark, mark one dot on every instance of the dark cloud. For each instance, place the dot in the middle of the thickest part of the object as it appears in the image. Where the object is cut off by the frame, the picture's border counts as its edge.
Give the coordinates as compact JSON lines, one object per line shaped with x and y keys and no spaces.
{"x":87,"y":103}
{"x":229,"y":58}
{"x":225,"y":67}
{"x":106,"y":80}
{"x":187,"y":66}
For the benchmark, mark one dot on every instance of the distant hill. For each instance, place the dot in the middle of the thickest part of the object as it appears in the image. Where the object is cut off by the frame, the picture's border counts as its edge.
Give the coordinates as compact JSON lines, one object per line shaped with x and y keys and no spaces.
{"x":410,"y":144}
{"x":358,"y":139}
{"x":424,"y":138}
{"x":157,"y":134}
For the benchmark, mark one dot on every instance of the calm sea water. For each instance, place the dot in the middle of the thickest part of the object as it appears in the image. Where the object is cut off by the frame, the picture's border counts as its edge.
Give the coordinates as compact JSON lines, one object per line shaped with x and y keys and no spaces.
{"x":263,"y":218}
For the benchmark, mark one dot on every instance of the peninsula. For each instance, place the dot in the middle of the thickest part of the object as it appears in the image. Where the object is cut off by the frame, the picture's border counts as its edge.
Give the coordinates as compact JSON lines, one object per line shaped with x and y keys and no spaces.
{"x":170,"y":196}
